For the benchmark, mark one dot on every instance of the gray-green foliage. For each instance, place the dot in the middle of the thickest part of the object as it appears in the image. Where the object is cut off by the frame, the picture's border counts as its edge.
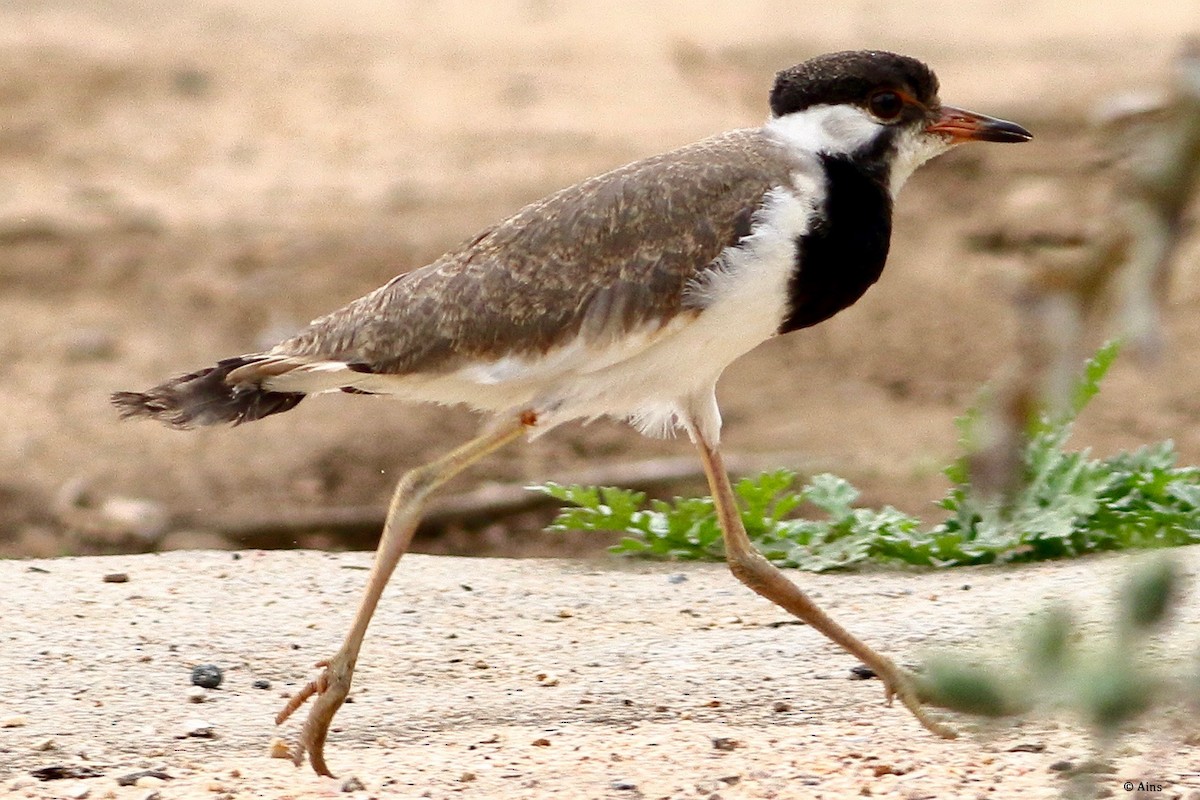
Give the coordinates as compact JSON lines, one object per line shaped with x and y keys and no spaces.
{"x":1106,"y":680}
{"x":1069,"y":504}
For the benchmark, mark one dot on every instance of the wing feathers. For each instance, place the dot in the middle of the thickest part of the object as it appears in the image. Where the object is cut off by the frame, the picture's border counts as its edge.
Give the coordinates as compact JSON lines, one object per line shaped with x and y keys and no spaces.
{"x":611,"y":255}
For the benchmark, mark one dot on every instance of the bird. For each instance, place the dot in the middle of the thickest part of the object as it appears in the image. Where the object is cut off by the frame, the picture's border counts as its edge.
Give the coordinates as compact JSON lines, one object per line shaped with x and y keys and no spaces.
{"x":624,"y":296}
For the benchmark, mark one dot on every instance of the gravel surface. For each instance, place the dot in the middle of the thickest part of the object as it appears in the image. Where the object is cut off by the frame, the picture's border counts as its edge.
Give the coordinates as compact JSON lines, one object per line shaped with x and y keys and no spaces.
{"x":536,"y":678}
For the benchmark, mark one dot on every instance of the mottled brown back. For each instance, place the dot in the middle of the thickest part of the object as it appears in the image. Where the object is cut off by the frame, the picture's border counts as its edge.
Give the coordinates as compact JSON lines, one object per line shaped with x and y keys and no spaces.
{"x":600,"y":258}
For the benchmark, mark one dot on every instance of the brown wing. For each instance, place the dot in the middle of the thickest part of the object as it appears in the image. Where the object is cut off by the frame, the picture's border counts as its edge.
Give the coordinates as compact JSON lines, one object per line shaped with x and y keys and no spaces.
{"x":608,"y":255}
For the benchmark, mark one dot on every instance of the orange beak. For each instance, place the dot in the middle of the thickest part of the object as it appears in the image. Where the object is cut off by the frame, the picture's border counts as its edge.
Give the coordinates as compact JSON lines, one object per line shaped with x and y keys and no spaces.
{"x":967,"y":126}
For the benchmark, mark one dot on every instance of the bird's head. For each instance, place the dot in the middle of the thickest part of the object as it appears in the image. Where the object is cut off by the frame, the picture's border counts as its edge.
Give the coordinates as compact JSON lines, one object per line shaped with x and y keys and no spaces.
{"x":876,"y":106}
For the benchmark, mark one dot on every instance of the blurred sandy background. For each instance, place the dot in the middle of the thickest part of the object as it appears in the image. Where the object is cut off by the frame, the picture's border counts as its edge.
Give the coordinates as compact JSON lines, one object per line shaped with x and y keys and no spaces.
{"x":181,"y":181}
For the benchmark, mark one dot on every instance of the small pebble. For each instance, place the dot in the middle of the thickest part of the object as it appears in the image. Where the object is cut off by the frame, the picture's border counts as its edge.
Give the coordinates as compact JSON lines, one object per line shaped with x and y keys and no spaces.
{"x":15,"y":721}
{"x":780,"y":706}
{"x":58,"y":772}
{"x":623,"y":785}
{"x":45,"y":745}
{"x":197,"y":694}
{"x":861,"y":673}
{"x":278,"y":748}
{"x":116,"y":577}
{"x":353,"y":784}
{"x":144,"y":778}
{"x":1061,"y":766}
{"x":480,"y":664}
{"x":198,"y":729}
{"x":542,"y":742}
{"x":262,"y":684}
{"x":547,"y":679}
{"x":565,"y":613}
{"x":207,"y":675}
{"x":467,"y":777}
{"x":725,"y":743}
{"x":77,"y":792}
{"x":152,"y":794}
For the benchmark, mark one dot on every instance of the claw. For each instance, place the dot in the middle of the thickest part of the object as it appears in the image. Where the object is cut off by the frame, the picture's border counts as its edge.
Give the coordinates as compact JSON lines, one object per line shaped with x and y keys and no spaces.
{"x":903,"y":684}
{"x":330,"y":688}
{"x":297,"y":700}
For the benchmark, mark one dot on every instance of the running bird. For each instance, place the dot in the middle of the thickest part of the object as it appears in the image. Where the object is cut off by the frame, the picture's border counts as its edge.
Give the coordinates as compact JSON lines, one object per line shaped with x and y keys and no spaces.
{"x":624,"y":296}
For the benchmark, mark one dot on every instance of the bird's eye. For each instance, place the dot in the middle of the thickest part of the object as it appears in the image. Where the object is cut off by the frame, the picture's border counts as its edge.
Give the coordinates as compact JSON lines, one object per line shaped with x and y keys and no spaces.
{"x":885,"y":104}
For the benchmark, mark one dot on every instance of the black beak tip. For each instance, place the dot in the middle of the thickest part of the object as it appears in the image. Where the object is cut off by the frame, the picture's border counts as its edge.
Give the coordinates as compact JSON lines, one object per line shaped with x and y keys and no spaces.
{"x":1003,"y":131}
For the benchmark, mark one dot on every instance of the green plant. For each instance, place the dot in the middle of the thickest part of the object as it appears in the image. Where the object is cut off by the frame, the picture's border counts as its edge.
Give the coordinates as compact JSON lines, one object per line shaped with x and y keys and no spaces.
{"x":1068,"y":504}
{"x":1109,"y":680}
{"x":1108,"y":677}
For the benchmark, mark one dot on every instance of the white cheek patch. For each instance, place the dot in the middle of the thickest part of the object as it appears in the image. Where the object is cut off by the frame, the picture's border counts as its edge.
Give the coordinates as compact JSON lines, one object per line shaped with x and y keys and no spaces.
{"x":839,"y":129}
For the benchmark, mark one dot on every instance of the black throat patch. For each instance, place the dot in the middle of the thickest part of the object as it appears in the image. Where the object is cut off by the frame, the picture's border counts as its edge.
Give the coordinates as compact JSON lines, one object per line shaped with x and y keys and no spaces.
{"x":846,"y":249}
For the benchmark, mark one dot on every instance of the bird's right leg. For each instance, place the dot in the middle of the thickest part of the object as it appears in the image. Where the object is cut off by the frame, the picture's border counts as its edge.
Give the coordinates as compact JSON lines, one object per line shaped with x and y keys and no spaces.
{"x":404,"y":513}
{"x":759,"y":574}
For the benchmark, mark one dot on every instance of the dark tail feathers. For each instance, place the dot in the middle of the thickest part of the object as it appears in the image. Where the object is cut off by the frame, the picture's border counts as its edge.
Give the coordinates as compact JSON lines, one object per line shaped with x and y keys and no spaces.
{"x":205,"y":398}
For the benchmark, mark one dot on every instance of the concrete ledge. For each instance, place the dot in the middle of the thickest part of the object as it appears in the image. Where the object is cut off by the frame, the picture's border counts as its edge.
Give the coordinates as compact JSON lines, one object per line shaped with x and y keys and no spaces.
{"x":497,"y":679}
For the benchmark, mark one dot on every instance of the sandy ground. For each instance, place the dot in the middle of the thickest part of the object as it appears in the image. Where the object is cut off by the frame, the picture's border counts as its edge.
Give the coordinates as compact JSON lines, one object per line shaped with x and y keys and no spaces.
{"x":496,"y":678}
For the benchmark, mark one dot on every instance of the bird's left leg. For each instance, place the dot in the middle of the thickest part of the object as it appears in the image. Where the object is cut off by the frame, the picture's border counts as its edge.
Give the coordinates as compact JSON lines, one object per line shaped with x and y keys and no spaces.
{"x":752,"y":569}
{"x":404,"y":513}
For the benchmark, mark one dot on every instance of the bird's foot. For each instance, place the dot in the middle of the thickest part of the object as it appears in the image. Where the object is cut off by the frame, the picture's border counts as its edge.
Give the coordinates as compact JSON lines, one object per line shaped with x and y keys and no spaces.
{"x":902,"y":684}
{"x":331,"y":688}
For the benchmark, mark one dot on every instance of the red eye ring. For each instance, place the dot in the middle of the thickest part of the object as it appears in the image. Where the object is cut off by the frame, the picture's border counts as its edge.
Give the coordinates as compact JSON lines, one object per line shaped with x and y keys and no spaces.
{"x":885,"y":104}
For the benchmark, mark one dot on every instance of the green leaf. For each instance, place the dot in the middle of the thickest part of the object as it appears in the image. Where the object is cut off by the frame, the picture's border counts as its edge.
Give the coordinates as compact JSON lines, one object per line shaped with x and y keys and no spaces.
{"x":1147,"y":595}
{"x":963,"y":687}
{"x":831,"y":494}
{"x":1094,"y":370}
